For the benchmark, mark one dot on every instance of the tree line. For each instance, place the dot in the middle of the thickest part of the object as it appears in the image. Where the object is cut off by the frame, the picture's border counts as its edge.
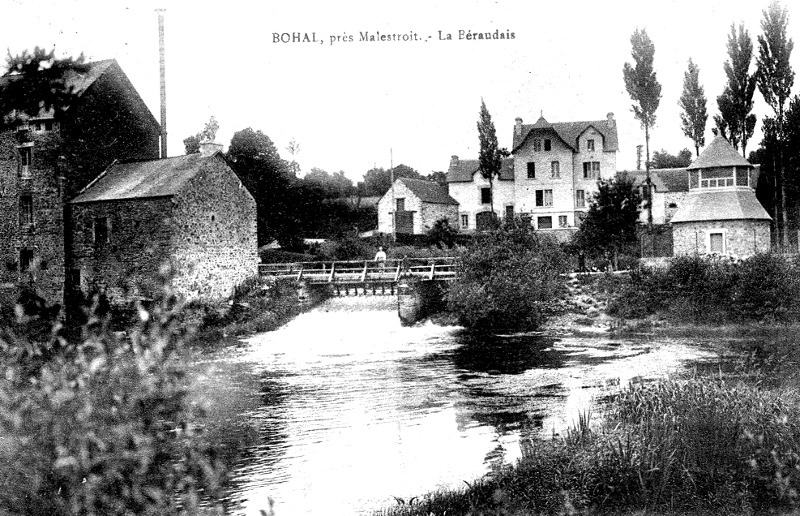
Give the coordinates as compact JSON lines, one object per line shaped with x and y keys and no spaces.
{"x":779,"y":150}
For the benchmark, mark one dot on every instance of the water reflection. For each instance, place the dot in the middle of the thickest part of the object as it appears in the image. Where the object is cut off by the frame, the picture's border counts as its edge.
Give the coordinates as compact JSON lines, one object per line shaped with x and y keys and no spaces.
{"x":343,"y":408}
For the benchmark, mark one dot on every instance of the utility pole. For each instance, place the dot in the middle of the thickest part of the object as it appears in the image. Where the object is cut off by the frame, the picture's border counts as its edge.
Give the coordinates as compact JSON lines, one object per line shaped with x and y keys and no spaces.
{"x":163,"y":75}
{"x":394,"y":203}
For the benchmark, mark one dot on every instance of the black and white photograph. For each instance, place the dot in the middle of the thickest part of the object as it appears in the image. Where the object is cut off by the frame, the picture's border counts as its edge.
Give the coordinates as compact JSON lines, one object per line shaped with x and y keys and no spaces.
{"x":422,"y":258}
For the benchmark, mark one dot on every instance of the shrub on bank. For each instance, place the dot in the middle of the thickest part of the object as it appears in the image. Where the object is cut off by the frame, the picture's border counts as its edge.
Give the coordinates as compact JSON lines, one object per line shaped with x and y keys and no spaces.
{"x":103,"y":425}
{"x":507,"y":279}
{"x":713,"y":290}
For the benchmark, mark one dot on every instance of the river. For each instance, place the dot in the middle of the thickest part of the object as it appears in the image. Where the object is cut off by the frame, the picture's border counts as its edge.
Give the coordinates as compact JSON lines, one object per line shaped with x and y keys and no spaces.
{"x":343,"y":409}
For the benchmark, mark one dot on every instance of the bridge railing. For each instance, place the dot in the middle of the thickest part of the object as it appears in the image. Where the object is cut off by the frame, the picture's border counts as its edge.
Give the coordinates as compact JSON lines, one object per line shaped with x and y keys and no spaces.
{"x":357,"y":271}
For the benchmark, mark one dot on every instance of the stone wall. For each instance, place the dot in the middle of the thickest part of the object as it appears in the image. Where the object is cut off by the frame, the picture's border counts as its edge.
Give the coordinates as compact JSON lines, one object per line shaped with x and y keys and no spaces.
{"x":434,"y":212}
{"x":742,"y":238}
{"x":128,"y":264}
{"x":468,"y":195}
{"x":214,"y":244}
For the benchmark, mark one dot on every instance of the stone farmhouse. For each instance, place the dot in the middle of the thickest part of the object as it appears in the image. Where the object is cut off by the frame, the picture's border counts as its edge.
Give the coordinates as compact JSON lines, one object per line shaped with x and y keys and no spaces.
{"x":415,"y":205}
{"x":46,"y":162}
{"x":550,"y":178}
{"x":721,"y":214}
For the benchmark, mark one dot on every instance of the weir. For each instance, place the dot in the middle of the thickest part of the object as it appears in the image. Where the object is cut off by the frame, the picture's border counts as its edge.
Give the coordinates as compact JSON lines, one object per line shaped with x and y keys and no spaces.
{"x":418,"y":283}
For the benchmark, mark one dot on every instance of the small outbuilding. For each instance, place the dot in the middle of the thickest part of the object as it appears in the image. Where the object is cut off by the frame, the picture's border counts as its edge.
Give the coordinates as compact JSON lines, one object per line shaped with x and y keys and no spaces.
{"x":190,"y":212}
{"x":721,"y":215}
{"x":415,"y":205}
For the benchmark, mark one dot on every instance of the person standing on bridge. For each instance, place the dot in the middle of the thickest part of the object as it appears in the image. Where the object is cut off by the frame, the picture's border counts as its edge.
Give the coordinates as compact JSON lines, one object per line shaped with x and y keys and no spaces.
{"x":380,"y":257}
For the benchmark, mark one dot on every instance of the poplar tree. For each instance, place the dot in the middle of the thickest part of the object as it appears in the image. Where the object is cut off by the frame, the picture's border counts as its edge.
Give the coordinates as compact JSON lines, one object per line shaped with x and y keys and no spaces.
{"x":735,"y":121}
{"x":693,"y":103}
{"x":645,"y":91}
{"x":490,"y":157}
{"x":775,"y":79}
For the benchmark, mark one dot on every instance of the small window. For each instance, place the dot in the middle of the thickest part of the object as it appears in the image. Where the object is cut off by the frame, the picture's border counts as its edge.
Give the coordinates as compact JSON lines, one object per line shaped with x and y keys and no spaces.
{"x":464,"y":221}
{"x":486,"y":195}
{"x":590,"y":145}
{"x":742,"y":178}
{"x":555,"y":170}
{"x":547,"y":145}
{"x":509,"y":212}
{"x":101,"y":230}
{"x":562,"y":221}
{"x":580,"y":199}
{"x":25,"y":161}
{"x":401,"y":204}
{"x":716,"y":243}
{"x":544,"y":222}
{"x":537,"y":145}
{"x":531,"y":170}
{"x":25,"y":210}
{"x":544,"y":198}
{"x":25,"y":259}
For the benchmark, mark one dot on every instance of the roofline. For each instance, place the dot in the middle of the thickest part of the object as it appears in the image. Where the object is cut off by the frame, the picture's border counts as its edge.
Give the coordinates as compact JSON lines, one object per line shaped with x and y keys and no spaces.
{"x":96,"y":179}
{"x":552,"y":128}
{"x":148,"y":197}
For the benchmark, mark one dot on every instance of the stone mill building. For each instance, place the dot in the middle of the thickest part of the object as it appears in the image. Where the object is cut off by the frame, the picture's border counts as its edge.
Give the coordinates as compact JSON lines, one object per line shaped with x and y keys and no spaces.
{"x":721,"y":215}
{"x":86,"y":203}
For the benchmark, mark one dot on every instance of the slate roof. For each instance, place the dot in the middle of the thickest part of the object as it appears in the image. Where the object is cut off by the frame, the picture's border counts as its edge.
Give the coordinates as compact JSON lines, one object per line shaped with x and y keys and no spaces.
{"x":428,"y":191}
{"x":711,"y":204}
{"x":664,"y":179}
{"x":568,"y":132}
{"x":143,"y":179}
{"x":465,"y":169}
{"x":719,"y":153}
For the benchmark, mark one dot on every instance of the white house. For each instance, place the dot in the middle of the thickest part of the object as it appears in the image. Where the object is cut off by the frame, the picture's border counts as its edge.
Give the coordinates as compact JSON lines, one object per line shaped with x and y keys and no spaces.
{"x":474,"y":194}
{"x":415,"y":205}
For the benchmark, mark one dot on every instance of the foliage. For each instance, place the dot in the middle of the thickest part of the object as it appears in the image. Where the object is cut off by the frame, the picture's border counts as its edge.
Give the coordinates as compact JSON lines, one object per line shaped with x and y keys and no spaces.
{"x":103,"y":426}
{"x":693,"y":104}
{"x":334,"y":185}
{"x":377,"y":181}
{"x":490,"y":156}
{"x":698,"y":289}
{"x":507,"y":279}
{"x":735,"y":122}
{"x":37,"y":82}
{"x":610,"y":223}
{"x":775,"y":78}
{"x":645,"y":91}
{"x":663,"y":159}
{"x":442,"y":234}
{"x":437,"y":177}
{"x":209,"y":133}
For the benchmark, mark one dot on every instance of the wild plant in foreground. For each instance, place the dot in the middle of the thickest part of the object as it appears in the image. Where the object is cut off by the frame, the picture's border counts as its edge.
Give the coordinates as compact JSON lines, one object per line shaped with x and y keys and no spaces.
{"x":102,"y":427}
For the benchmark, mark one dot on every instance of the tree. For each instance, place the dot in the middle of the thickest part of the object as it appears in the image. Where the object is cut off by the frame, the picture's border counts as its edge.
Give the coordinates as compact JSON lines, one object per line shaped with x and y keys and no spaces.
{"x":257,"y":162}
{"x":610,"y":223}
{"x":293,"y":149}
{"x":37,"y":82}
{"x":663,"y":159}
{"x":437,"y":177}
{"x":775,"y":78}
{"x":377,"y":181}
{"x":335,"y":185}
{"x":735,"y":122}
{"x":693,"y":104}
{"x":645,"y":91}
{"x":490,"y":157}
{"x":209,"y":133}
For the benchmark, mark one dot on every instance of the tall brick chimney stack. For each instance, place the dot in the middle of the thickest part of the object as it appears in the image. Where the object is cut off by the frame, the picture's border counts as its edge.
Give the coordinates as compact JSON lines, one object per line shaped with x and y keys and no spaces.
{"x":610,"y":120}
{"x":453,"y":161}
{"x":518,"y":126}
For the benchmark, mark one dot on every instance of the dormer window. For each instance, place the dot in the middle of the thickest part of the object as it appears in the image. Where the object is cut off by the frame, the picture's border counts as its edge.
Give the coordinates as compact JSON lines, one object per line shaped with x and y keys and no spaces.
{"x":590,"y":145}
{"x":537,"y":145}
{"x":547,"y":145}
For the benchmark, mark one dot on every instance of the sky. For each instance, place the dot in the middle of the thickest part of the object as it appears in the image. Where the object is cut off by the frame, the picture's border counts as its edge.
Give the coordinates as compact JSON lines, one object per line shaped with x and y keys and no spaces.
{"x":352,"y":105}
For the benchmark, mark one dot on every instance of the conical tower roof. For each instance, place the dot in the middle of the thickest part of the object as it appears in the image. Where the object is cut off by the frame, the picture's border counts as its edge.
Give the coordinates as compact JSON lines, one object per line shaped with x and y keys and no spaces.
{"x":719,"y":153}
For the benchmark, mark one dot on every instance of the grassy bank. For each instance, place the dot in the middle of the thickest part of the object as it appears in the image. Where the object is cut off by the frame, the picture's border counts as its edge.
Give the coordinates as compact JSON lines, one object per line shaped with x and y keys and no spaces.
{"x":257,"y":305}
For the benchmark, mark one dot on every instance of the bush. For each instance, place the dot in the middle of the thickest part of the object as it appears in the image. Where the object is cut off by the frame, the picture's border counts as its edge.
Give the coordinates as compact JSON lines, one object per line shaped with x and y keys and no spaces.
{"x":507,"y":279}
{"x":442,"y":234}
{"x":102,"y":426}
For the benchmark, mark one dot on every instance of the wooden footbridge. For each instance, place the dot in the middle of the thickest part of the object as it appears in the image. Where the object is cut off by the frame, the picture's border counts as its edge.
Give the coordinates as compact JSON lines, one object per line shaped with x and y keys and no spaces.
{"x":364,"y":276}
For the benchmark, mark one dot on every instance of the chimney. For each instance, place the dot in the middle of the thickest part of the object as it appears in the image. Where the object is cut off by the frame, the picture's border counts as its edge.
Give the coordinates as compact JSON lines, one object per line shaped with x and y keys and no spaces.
{"x":453,"y":161}
{"x":610,"y":120}
{"x":518,"y":126}
{"x":208,"y":148}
